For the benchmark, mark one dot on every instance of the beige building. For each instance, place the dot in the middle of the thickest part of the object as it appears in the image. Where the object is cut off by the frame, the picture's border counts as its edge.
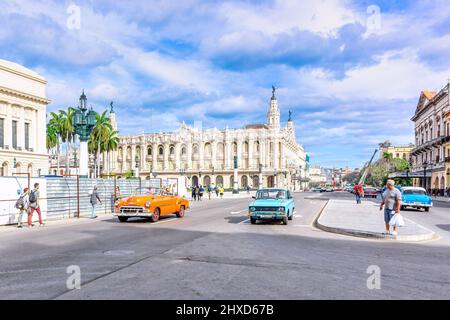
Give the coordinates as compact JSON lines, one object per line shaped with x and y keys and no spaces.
{"x":266,"y":153}
{"x":401,"y":152}
{"x":23,"y":104}
{"x":432,"y":135}
{"x":317,"y":176}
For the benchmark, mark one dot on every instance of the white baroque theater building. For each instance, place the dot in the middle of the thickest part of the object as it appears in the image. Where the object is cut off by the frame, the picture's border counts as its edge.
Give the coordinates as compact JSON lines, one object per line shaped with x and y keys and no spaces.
{"x":23,"y":104}
{"x":268,"y":155}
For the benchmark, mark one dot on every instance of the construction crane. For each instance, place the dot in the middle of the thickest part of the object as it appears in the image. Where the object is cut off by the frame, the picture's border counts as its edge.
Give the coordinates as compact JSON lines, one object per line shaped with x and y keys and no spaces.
{"x":367,"y":169}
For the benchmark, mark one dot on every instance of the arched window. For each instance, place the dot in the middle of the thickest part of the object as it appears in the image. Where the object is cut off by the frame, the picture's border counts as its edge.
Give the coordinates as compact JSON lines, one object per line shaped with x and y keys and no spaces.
{"x":244,"y":182}
{"x":257,"y":146}
{"x":220,"y":149}
{"x":4,"y":169}
{"x":183,"y":150}
{"x":172,"y":150}
{"x":246,"y":147}
{"x":160,"y":150}
{"x":208,"y":150}
{"x":195,"y":149}
{"x":234,"y":148}
{"x":219,"y":181}
{"x":149,"y":151}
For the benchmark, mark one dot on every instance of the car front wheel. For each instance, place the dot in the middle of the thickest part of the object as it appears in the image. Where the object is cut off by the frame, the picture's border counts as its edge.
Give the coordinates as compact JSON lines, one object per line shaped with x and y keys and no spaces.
{"x":156,"y":215}
{"x":290,"y":217}
{"x":285,"y":221}
{"x":427,"y":209}
{"x":123,"y":219}
{"x":180,"y":214}
{"x":252,"y":220}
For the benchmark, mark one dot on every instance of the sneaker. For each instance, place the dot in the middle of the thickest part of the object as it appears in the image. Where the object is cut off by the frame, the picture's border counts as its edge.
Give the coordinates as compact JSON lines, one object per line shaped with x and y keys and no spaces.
{"x":42,"y":225}
{"x":386,"y":232}
{"x":19,"y":226}
{"x":394,"y":233}
{"x":94,"y":217}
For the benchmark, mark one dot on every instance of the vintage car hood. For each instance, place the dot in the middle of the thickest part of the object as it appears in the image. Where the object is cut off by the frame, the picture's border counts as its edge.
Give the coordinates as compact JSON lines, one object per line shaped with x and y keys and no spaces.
{"x":138,"y":199}
{"x":269,"y":202}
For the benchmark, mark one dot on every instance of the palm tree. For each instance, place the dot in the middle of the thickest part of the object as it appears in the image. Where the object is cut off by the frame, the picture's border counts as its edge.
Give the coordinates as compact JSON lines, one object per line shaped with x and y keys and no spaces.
{"x":67,"y":130}
{"x":55,"y":124}
{"x":111,"y":143}
{"x":99,"y":135}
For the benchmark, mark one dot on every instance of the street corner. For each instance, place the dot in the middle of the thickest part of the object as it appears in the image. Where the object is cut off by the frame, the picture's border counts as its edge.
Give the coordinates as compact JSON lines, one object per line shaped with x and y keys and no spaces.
{"x":365,"y":221}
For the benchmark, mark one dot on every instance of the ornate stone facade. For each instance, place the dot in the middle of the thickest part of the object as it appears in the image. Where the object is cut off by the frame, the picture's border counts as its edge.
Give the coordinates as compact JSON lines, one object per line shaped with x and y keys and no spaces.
{"x":23,"y":104}
{"x":267,"y":154}
{"x":431,"y":132}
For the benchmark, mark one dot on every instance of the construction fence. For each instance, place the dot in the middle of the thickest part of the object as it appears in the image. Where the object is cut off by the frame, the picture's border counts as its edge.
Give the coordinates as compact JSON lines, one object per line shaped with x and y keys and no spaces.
{"x":69,"y":197}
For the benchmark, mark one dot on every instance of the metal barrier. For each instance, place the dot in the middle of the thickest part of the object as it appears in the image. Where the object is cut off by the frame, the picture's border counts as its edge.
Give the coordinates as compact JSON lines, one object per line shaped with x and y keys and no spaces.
{"x":69,"y":197}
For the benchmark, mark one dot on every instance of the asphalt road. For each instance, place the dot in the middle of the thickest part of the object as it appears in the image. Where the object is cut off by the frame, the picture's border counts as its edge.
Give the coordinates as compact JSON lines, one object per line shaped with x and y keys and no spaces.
{"x":214,"y":253}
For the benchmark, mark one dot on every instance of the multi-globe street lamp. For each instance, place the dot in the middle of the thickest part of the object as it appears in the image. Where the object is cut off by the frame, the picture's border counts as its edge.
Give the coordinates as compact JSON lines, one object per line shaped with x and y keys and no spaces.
{"x":84,"y":123}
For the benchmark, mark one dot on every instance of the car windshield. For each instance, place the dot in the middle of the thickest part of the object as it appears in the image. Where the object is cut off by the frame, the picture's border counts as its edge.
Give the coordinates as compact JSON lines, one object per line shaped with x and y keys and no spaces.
{"x":271,"y":194}
{"x":416,"y":192}
{"x":147,"y":191}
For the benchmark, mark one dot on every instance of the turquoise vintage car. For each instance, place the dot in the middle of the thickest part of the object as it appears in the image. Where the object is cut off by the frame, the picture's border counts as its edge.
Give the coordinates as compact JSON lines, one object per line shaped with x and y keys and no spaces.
{"x":416,"y":197}
{"x":272,"y":204}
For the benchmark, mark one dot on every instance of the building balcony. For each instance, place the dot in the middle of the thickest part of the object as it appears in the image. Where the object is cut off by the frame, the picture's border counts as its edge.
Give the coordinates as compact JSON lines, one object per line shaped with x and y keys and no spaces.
{"x":447,"y":159}
{"x":149,"y":158}
{"x":119,"y":159}
{"x":436,"y":142}
{"x":128,"y":158}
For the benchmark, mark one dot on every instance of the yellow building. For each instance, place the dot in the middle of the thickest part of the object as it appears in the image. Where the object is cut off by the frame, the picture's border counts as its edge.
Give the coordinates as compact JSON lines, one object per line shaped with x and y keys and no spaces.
{"x":401,"y":152}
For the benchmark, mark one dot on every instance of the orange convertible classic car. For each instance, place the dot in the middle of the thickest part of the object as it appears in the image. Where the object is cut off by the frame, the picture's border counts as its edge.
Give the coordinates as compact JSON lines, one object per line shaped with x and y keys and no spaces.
{"x":152,"y":204}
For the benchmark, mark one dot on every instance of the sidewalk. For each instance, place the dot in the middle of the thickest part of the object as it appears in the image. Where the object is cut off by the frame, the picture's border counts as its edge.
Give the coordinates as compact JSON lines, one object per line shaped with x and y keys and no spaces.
{"x":441,"y":199}
{"x":366,"y":220}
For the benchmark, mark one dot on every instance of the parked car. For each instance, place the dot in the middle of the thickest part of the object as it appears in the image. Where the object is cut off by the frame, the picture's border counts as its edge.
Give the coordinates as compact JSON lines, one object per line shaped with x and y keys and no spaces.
{"x":272,"y":204}
{"x":370,"y":192}
{"x":152,"y":203}
{"x":316,"y":189}
{"x":415,"y":197}
{"x":329,"y":189}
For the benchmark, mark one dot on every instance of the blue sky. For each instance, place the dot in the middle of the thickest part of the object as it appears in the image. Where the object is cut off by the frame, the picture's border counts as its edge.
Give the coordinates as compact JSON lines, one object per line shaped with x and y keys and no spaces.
{"x":351,"y":71}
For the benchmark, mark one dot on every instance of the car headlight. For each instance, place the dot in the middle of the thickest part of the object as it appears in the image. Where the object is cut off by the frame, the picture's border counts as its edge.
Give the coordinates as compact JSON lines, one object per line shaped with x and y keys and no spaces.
{"x":147,"y":204}
{"x":116,"y":203}
{"x":281,"y":209}
{"x":252,"y":209}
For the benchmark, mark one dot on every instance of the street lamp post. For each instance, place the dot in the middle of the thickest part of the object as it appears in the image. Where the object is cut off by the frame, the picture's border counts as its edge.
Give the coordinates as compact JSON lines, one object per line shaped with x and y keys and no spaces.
{"x":136,"y":160}
{"x":235,"y":176}
{"x":260,"y":176}
{"x":275,"y":174}
{"x":425,"y":165}
{"x":84,"y":124}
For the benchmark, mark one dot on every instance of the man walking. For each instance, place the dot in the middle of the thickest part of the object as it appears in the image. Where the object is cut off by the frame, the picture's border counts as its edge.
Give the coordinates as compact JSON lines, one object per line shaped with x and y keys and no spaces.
{"x":392,"y":200}
{"x":359,"y":193}
{"x":23,"y":205}
{"x":34,"y":199}
{"x":94,"y":198}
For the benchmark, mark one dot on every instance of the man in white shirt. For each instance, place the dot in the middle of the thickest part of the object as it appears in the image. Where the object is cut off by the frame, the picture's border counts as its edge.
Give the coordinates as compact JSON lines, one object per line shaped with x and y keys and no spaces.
{"x":392,"y":200}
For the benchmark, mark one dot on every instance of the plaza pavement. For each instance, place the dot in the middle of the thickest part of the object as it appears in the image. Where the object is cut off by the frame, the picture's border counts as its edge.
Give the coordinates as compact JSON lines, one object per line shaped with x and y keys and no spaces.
{"x":344,"y":216}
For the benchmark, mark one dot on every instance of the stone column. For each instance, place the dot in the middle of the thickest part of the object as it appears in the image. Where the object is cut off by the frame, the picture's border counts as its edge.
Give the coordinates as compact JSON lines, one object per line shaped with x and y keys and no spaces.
{"x":154,"y":164}
{"x":201,"y":150}
{"x":166,"y":156}
{"x":251,"y":161}
{"x":178,"y":156}
{"x":189,"y":155}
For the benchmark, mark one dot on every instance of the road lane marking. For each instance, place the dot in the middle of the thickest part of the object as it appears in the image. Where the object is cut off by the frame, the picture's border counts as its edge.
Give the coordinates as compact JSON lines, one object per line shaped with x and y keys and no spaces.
{"x":237,"y":212}
{"x":165,"y":220}
{"x":302,"y":225}
{"x":246,"y":221}
{"x":298,"y":216}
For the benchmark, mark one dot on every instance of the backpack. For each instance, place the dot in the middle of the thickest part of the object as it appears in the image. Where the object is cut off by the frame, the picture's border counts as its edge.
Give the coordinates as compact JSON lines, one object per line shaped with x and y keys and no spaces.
{"x":32,"y":198}
{"x":20,"y":203}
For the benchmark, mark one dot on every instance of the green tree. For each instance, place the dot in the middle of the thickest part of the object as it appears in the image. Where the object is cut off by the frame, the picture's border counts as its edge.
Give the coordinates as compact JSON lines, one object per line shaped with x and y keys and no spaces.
{"x":67,"y":130}
{"x":99,"y":134}
{"x":111,"y":143}
{"x":55,"y":134}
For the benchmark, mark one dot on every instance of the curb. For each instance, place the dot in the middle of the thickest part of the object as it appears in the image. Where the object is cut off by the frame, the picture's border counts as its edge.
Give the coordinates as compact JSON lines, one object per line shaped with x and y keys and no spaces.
{"x":374,"y":235}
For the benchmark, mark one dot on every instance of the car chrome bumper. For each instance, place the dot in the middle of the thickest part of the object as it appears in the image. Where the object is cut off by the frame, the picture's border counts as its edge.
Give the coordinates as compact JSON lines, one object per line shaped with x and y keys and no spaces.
{"x":268,"y":215}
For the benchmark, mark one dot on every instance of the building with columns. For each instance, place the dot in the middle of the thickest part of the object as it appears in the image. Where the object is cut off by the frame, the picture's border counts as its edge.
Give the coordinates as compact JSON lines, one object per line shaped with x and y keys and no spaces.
{"x":23,"y":104}
{"x":432,"y":135}
{"x":268,"y":154}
